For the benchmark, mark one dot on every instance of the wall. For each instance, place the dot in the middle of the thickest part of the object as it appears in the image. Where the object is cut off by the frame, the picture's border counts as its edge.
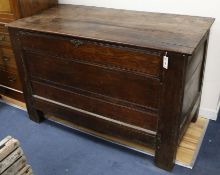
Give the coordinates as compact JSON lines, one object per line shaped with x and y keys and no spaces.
{"x":209,"y":8}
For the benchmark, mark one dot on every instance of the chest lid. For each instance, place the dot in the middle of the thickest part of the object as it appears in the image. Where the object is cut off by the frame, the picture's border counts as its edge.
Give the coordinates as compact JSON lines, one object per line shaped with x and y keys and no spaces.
{"x":166,"y":32}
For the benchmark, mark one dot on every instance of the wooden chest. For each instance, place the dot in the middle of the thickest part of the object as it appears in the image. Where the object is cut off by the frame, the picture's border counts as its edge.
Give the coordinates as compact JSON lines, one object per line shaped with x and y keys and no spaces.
{"x":11,"y":10}
{"x":131,"y":75}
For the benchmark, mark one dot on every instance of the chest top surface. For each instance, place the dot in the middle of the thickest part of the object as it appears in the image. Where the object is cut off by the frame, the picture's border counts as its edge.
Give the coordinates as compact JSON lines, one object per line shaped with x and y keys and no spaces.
{"x":167,"y":32}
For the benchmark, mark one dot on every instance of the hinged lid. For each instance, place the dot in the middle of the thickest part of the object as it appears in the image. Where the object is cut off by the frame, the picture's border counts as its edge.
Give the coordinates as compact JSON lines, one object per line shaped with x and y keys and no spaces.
{"x":167,"y":32}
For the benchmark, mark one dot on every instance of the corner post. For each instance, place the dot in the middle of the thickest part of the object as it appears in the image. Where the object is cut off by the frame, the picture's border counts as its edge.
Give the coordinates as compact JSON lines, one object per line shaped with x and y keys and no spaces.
{"x":34,"y":114}
{"x":171,"y":100}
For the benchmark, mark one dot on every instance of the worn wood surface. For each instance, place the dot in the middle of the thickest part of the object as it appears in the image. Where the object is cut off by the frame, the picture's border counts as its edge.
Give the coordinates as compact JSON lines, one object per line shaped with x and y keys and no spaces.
{"x":19,"y":164}
{"x":12,"y":158}
{"x":130,"y":60}
{"x":144,"y":119}
{"x":149,"y":30}
{"x":6,"y":139}
{"x":8,"y":147}
{"x":9,"y":160}
{"x":34,"y":114}
{"x":98,"y":123}
{"x":171,"y":97}
{"x":147,"y":92}
{"x":25,"y":171}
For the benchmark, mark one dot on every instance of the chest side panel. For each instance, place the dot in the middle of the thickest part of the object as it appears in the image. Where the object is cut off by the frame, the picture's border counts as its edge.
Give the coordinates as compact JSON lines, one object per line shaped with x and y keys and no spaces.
{"x":193,"y":80}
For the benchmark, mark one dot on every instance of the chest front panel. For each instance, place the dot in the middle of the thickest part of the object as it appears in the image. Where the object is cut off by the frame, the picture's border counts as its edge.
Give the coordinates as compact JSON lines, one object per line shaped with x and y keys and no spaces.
{"x":122,"y":80}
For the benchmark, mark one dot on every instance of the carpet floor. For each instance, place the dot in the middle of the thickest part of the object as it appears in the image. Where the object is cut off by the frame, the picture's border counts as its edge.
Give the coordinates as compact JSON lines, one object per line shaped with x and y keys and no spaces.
{"x":52,"y":149}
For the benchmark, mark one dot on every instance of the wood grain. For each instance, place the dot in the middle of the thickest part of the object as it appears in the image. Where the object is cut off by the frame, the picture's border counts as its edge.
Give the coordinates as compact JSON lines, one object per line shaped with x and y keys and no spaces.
{"x":3,"y":142}
{"x":9,"y":146}
{"x":121,"y":112}
{"x":168,"y":32}
{"x":19,"y":164}
{"x":101,"y":80}
{"x":25,"y":171}
{"x":8,"y":161}
{"x":12,"y":158}
{"x":135,"y":60}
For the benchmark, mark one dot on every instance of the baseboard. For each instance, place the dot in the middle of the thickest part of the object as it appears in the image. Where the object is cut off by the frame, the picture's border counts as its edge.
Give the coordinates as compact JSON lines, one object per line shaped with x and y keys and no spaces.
{"x":209,"y":113}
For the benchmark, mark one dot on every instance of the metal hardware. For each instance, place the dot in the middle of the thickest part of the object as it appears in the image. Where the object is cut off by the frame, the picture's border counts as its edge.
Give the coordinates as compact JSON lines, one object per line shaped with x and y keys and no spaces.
{"x":76,"y":42}
{"x":2,"y":37}
{"x":11,"y":79}
{"x":165,"y":61}
{"x":5,"y":59}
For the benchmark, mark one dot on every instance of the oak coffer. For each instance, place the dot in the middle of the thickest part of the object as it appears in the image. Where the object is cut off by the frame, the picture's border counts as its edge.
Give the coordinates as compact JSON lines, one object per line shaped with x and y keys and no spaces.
{"x":132,"y":75}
